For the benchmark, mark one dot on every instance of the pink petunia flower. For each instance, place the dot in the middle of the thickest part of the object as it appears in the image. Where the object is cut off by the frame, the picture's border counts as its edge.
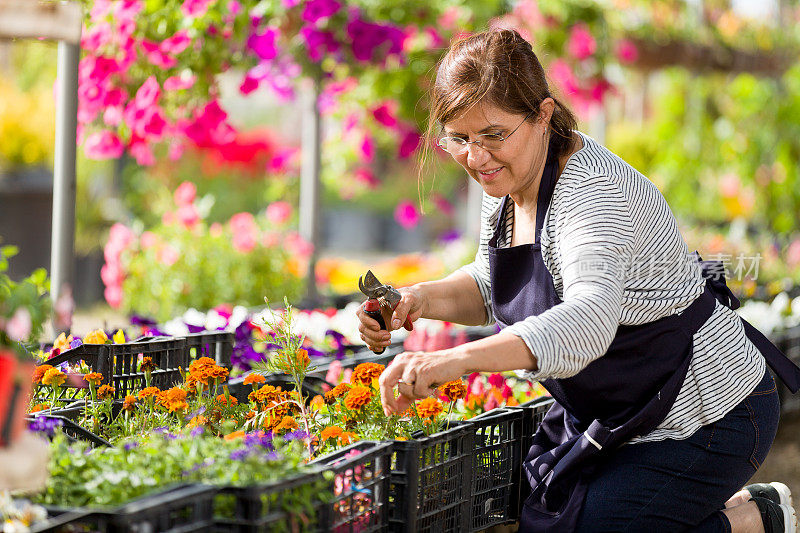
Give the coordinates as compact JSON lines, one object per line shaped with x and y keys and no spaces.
{"x":180,"y":82}
{"x":113,"y":295}
{"x":366,"y":149}
{"x":196,"y":8}
{"x":185,"y":194}
{"x":278,"y":213}
{"x":264,"y":44}
{"x":385,"y":114}
{"x":581,"y":43}
{"x":626,"y":52}
{"x":188,"y":216}
{"x":367,"y":177}
{"x":316,"y":10}
{"x":409,"y":144}
{"x":177,"y":43}
{"x":103,"y":145}
{"x":406,"y":214}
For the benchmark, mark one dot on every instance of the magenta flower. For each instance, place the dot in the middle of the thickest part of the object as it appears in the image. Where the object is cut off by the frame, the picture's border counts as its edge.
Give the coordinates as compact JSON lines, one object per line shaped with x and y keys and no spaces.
{"x":195,"y":8}
{"x":96,"y":37}
{"x":626,"y":52}
{"x":103,"y":145}
{"x":409,"y":144}
{"x":367,"y":177}
{"x":367,"y":148}
{"x":179,"y":82}
{"x":142,"y":152}
{"x":320,"y":9}
{"x":264,"y":44}
{"x":581,"y":43}
{"x":562,"y":74}
{"x":279,"y":163}
{"x":367,"y":38}
{"x":249,"y":84}
{"x":149,"y":93}
{"x":234,"y":7}
{"x":443,"y":205}
{"x":188,"y":216}
{"x":384,"y":114}
{"x":176,"y":44}
{"x":185,"y":193}
{"x":112,"y":116}
{"x":406,"y":214}
{"x":318,"y":43}
{"x":278,"y":213}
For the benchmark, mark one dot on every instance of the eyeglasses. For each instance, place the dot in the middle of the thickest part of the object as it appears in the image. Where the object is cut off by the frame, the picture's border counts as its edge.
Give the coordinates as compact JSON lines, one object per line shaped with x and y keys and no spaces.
{"x":487,"y":141}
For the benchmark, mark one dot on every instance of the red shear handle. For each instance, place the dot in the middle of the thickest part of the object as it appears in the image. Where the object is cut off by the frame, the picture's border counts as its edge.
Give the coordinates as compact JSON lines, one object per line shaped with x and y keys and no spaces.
{"x":372,"y":308}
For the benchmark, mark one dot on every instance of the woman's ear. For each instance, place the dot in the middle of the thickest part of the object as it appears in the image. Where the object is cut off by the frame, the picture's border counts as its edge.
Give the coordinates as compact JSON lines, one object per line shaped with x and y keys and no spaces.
{"x":546,"y":109}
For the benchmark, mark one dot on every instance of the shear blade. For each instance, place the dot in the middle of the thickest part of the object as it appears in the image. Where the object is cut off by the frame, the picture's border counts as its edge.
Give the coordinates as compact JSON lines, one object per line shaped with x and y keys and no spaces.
{"x":369,"y":285}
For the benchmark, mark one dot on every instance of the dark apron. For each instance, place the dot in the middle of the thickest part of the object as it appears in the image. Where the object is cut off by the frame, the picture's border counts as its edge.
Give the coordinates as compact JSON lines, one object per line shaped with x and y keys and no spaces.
{"x":623,"y":394}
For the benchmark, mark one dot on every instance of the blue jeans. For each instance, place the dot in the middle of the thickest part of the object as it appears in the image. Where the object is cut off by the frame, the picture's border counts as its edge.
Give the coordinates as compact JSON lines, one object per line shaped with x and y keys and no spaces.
{"x":678,"y":485}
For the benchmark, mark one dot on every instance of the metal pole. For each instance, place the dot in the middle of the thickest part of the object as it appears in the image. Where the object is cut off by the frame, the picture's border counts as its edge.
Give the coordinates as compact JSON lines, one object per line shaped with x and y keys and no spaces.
{"x":63,"y":238}
{"x":310,"y":183}
{"x":474,"y":201}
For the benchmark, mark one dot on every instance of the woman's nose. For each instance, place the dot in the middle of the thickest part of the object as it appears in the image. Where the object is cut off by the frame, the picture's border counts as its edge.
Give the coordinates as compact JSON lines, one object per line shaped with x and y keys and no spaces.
{"x":477,"y":156}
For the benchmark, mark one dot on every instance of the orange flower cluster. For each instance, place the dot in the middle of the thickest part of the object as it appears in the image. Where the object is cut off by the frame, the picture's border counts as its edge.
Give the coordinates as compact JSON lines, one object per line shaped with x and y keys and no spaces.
{"x":39,"y":407}
{"x":454,"y":390}
{"x":302,"y":359}
{"x":429,"y":407}
{"x":235,"y":435}
{"x":203,"y":369}
{"x":173,"y":399}
{"x":254,"y":378}
{"x":97,"y":336}
{"x":366,"y":372}
{"x":358,"y":397}
{"x":94,"y":378}
{"x":265,"y":394}
{"x":228,"y":401}
{"x":106,"y":391}
{"x":39,"y":373}
{"x":330,"y":432}
{"x":287,"y":423}
{"x":53,"y":377}
{"x":148,"y":392}
{"x":147,"y":365}
{"x":197,"y":421}
{"x":339,"y":390}
{"x":129,"y":403}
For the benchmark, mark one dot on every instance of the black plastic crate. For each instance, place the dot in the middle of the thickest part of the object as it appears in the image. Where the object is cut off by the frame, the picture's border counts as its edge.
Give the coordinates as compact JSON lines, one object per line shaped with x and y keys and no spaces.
{"x":359,"y":488}
{"x":283,"y":505}
{"x":533,"y":414}
{"x":72,"y":429}
{"x":118,"y":363}
{"x":217,"y":345}
{"x":495,"y":467}
{"x":431,"y":480}
{"x":184,"y":509}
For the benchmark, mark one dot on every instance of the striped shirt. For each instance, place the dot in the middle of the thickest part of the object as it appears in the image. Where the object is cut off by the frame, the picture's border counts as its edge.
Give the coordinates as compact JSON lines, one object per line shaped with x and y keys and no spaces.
{"x":613,"y":248}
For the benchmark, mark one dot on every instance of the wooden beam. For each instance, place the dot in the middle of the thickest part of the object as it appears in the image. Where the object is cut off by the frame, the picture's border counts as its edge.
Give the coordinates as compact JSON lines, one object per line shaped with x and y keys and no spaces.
{"x":703,"y":58}
{"x":60,"y":21}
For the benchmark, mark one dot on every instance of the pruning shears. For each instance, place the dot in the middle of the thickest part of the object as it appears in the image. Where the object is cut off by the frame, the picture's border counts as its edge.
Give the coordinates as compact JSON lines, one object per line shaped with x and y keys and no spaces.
{"x":380,"y":297}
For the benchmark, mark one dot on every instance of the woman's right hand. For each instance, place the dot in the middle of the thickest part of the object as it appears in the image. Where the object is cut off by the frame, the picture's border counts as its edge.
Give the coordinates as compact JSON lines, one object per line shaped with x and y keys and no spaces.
{"x":412,"y":304}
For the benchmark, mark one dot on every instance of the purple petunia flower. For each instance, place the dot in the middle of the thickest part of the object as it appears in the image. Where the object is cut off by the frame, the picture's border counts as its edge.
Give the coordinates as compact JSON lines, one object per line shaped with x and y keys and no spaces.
{"x":196,"y":432}
{"x":240,"y":454}
{"x":43,"y":424}
{"x":75,"y":343}
{"x":259,"y":438}
{"x":297,"y":434}
{"x":138,"y":320}
{"x":130,"y":445}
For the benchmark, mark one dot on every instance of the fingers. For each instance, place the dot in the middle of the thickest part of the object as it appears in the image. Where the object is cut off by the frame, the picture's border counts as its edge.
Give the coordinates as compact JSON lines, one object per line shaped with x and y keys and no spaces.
{"x":370,"y":331}
{"x":400,"y":315}
{"x":388,"y":380}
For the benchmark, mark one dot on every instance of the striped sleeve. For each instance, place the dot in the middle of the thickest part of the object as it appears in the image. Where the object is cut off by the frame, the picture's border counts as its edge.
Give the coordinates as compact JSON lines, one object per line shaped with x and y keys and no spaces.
{"x":593,"y":244}
{"x":479,"y":268}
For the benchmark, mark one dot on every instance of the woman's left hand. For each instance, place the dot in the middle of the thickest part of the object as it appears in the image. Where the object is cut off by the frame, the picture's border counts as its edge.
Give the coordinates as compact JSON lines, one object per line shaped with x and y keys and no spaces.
{"x":416,"y":375}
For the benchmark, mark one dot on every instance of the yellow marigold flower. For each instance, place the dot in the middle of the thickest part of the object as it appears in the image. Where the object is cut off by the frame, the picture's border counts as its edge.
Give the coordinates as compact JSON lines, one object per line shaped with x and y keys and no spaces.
{"x":106,"y":391}
{"x":39,"y":407}
{"x":94,"y":378}
{"x":330,"y":432}
{"x":97,"y":336}
{"x":454,"y":390}
{"x":365,"y":373}
{"x":235,"y":435}
{"x":39,"y":373}
{"x":148,"y":392}
{"x":429,"y":407}
{"x":358,"y":397}
{"x":228,"y":401}
{"x":254,"y":378}
{"x":62,"y":342}
{"x":347,"y":437}
{"x":339,"y":390}
{"x":147,"y":364}
{"x":53,"y":377}
{"x":119,"y":337}
{"x":287,"y":424}
{"x":129,"y":403}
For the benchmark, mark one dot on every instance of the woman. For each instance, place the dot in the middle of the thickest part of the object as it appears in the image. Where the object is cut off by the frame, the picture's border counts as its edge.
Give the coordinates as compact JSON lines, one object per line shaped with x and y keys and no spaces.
{"x":664,"y":406}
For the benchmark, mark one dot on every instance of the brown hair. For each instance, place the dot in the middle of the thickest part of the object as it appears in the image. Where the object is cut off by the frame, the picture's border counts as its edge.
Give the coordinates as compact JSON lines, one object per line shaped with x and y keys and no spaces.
{"x":500,"y":68}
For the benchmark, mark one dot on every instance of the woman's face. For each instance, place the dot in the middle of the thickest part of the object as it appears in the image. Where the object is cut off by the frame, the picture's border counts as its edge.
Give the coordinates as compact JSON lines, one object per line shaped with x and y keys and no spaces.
{"x":517,"y":164}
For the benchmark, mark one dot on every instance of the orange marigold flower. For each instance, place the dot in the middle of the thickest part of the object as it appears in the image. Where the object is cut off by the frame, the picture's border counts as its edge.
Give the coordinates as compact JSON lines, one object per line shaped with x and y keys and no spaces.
{"x":173,"y":399}
{"x":39,"y":373}
{"x":148,"y":392}
{"x":199,"y":364}
{"x":317,"y":402}
{"x":429,"y":407}
{"x":147,"y":365}
{"x":129,"y":403}
{"x":287,"y":424}
{"x":97,"y":336}
{"x":330,"y":432}
{"x":39,"y":407}
{"x":53,"y":377}
{"x":197,"y":421}
{"x":94,"y":378}
{"x":358,"y":397}
{"x":302,"y":358}
{"x":265,"y":394}
{"x":229,"y":400}
{"x":454,"y":390}
{"x":254,"y":378}
{"x":235,"y":435}
{"x":106,"y":391}
{"x":271,"y":421}
{"x":249,"y":415}
{"x":347,"y":437}
{"x":365,"y":373}
{"x":339,"y":390}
